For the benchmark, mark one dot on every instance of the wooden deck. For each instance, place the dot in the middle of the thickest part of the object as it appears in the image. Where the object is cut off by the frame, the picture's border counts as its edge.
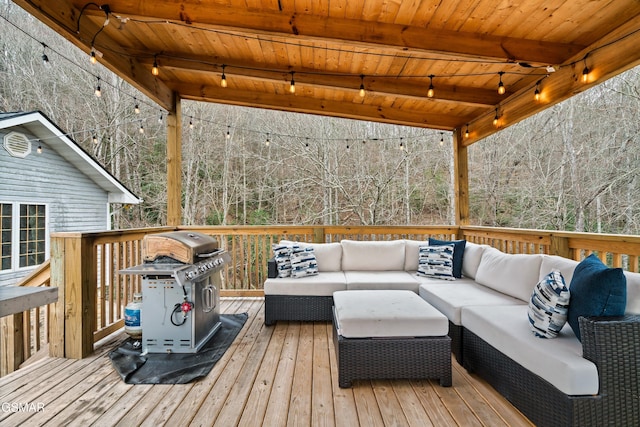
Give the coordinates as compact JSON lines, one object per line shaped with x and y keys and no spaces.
{"x":276,"y":376}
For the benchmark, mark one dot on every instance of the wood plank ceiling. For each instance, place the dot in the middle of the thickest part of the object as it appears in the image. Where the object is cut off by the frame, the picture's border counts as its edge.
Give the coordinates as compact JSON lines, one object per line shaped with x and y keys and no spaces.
{"x":396,"y":49}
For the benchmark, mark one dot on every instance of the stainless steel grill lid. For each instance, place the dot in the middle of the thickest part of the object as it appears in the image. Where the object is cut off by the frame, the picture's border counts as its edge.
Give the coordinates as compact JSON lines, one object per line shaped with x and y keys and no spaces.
{"x":184,"y":246}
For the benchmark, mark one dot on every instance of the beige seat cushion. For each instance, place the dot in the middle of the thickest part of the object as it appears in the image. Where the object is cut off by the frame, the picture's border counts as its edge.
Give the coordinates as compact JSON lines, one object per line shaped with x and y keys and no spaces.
{"x":377,"y":314}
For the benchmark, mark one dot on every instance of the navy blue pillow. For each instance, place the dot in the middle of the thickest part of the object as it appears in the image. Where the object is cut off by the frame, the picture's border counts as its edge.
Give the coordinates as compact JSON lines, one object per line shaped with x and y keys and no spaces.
{"x":596,"y":290}
{"x":458,"y":253}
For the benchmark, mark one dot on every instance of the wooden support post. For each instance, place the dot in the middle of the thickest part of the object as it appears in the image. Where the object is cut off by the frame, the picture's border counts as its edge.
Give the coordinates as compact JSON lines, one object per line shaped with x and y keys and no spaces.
{"x":11,"y":344}
{"x":174,"y":164}
{"x":56,"y":314}
{"x":560,"y":246}
{"x":318,"y":235}
{"x":74,"y":266}
{"x":461,"y":179}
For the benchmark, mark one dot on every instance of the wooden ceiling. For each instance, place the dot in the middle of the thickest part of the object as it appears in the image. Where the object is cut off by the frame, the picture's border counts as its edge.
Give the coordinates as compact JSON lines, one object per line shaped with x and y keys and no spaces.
{"x":395,"y":48}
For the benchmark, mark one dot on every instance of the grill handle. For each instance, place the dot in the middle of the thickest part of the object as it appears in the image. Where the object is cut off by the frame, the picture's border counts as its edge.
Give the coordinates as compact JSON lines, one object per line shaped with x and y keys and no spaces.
{"x":208,"y":298}
{"x":209,"y":254}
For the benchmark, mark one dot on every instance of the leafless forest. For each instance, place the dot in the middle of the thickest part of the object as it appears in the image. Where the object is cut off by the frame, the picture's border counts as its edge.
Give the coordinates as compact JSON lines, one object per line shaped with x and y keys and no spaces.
{"x":574,"y":167}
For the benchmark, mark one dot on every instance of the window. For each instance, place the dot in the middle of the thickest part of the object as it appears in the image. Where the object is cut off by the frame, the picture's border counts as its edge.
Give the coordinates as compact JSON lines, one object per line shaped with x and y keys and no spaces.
{"x":5,"y":231}
{"x":23,"y":228}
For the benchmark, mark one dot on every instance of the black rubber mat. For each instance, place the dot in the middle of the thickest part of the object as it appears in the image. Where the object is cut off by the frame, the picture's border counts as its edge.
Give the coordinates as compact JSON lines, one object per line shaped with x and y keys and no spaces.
{"x":175,"y":368}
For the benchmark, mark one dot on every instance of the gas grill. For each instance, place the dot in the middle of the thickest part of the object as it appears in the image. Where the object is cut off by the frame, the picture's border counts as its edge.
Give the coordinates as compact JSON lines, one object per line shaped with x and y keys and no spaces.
{"x":181,"y":280}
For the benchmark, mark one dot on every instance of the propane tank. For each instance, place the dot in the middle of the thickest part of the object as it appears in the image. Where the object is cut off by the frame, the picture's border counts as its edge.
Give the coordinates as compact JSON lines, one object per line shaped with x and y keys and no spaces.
{"x":132,"y":317}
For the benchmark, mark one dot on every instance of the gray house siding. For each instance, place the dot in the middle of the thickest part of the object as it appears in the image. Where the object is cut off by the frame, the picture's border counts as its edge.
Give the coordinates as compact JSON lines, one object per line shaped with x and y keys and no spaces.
{"x":74,"y":201}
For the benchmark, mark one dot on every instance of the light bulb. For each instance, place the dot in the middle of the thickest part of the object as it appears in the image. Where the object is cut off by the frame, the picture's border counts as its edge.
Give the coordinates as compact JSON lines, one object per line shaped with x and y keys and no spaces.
{"x":466,"y":133}
{"x":97,"y":92}
{"x":190,"y":124}
{"x":223,"y":78}
{"x":95,"y":139}
{"x":39,"y":149}
{"x":431,"y":90}
{"x":141,"y":130}
{"x":154,"y":70}
{"x":501,"y":88}
{"x":136,"y":109}
{"x":45,"y":59}
{"x":292,"y":85}
{"x":362,"y":92}
{"x":585,"y":74}
{"x":536,"y":94}
{"x":93,"y":58}
{"x":228,"y":136}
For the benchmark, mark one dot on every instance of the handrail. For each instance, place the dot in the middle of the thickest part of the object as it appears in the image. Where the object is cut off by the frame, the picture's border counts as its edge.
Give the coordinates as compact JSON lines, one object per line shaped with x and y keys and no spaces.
{"x":93,"y":302}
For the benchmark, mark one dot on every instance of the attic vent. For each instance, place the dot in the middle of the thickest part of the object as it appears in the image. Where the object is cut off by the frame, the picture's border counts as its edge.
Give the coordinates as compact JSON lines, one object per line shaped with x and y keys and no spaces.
{"x":17,"y":144}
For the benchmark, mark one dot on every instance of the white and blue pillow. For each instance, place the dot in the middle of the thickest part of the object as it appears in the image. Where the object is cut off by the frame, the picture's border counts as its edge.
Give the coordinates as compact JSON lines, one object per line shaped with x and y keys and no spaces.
{"x":436,"y":262}
{"x":549,"y":306}
{"x":282,"y":256}
{"x":303,"y":262}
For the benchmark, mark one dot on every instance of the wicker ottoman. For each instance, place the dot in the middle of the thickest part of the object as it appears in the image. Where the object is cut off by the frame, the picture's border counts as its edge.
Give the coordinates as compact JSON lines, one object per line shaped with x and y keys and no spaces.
{"x":389,"y":335}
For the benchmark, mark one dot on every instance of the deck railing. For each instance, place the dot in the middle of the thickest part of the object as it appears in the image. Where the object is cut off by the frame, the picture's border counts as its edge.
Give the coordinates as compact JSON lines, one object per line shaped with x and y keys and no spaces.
{"x":24,"y":335}
{"x":92,"y":294}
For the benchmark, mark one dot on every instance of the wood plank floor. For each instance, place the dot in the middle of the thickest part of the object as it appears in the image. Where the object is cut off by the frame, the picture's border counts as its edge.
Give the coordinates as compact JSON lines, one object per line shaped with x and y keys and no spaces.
{"x":283,"y":375}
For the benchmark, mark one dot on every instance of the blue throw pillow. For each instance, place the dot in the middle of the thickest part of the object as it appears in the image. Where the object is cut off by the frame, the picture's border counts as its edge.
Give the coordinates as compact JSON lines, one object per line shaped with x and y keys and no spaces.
{"x":596,"y":290}
{"x":458,"y":253}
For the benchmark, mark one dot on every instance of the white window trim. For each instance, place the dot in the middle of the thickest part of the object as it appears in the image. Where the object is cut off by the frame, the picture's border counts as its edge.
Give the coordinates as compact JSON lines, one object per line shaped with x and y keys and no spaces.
{"x":15,"y":235}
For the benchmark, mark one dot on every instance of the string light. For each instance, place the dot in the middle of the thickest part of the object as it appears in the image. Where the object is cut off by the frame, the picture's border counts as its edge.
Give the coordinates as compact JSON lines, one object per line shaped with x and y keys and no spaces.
{"x":431,"y":90}
{"x":136,"y":108}
{"x":501,"y":88}
{"x":585,"y":72}
{"x":141,"y":130}
{"x":223,"y":78}
{"x":347,"y":141}
{"x":160,"y":118}
{"x":228,"y":136}
{"x":306,"y":144}
{"x":93,"y":58}
{"x":98,"y":92}
{"x":292,"y":85}
{"x":267,"y":142}
{"x":39,"y":149}
{"x":362,"y":91}
{"x":536,"y":93}
{"x":495,"y":119}
{"x":466,"y":133}
{"x":441,"y":139}
{"x":401,"y":145}
{"x":154,"y":70}
{"x":45,"y":58}
{"x":95,"y":139}
{"x":191,"y":123}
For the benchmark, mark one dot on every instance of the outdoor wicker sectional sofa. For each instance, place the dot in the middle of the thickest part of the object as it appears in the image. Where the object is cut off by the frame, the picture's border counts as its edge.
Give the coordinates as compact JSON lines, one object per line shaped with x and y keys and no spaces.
{"x":559,"y":381}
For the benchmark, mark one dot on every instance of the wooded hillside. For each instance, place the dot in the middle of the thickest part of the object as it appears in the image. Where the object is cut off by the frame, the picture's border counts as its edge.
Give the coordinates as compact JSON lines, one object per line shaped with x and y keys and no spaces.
{"x":574,"y":167}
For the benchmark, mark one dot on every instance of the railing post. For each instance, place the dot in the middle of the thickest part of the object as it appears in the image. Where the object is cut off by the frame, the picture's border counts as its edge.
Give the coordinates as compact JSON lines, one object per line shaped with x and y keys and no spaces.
{"x":559,"y":246}
{"x":11,"y":345}
{"x":318,"y":235}
{"x":73,"y":271}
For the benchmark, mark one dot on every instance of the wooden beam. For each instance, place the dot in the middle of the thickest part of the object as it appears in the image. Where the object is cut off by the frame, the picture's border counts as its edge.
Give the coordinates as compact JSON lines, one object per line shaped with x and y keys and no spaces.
{"x":473,"y":96}
{"x":300,"y":27}
{"x":461,"y":178}
{"x":302,"y":104}
{"x":174,"y":164}
{"x":616,"y":53}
